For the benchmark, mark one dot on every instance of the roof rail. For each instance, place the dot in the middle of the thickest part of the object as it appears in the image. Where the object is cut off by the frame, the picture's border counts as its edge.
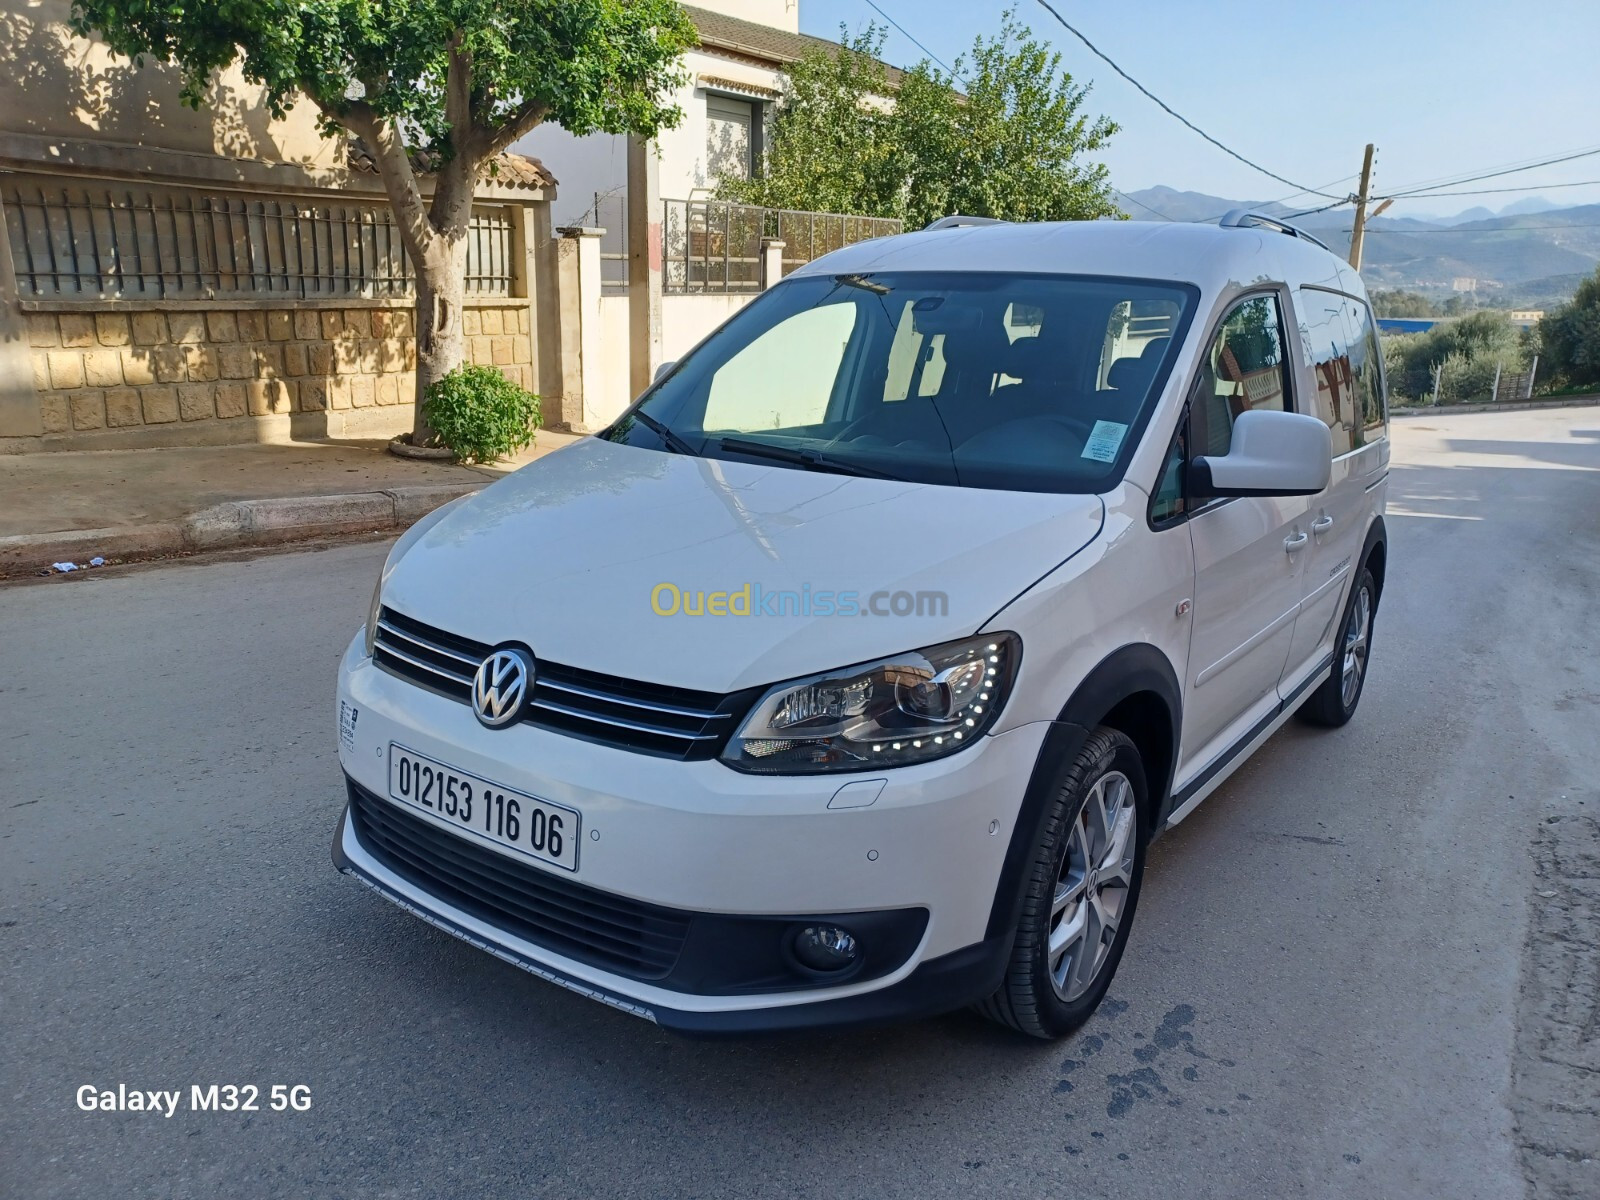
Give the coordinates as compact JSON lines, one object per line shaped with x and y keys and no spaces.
{"x":1244,"y":218}
{"x":956,"y":221}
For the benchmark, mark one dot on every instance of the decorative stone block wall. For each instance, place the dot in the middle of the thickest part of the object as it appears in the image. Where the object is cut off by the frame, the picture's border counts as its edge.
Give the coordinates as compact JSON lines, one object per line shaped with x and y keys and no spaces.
{"x":99,"y":372}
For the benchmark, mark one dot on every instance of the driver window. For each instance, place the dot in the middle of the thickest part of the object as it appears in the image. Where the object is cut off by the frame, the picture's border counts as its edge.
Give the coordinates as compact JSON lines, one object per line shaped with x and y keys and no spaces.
{"x":1244,"y":369}
{"x":785,"y":378}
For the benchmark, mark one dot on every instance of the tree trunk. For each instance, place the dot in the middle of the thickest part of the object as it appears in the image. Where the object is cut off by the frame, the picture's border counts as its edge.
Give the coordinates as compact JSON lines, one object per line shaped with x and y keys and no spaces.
{"x":441,"y":287}
{"x":441,"y":345}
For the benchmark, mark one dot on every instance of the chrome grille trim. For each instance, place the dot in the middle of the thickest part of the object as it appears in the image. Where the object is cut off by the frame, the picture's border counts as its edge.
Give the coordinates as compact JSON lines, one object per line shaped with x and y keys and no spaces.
{"x":700,"y":713}
{"x":628,"y":714}
{"x":464,"y":680}
{"x":470,"y":663}
{"x":621,"y":723}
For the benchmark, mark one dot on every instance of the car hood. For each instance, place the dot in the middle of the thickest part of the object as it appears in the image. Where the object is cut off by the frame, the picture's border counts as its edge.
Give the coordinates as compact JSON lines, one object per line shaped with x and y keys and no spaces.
{"x":567,"y":554}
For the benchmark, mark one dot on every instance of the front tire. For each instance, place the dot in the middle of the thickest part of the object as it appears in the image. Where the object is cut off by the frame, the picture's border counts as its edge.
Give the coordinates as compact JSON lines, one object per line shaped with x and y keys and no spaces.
{"x":1082,"y":889}
{"x":1334,"y":702}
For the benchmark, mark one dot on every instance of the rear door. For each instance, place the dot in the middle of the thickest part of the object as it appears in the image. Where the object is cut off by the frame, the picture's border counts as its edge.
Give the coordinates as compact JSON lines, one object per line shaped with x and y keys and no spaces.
{"x":1248,"y":550}
{"x":1341,"y":349}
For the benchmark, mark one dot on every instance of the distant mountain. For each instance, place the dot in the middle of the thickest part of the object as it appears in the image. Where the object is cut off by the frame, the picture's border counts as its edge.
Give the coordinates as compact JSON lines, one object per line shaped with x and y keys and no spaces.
{"x":1533,"y":204}
{"x":1163,"y":202}
{"x":1532,"y":256}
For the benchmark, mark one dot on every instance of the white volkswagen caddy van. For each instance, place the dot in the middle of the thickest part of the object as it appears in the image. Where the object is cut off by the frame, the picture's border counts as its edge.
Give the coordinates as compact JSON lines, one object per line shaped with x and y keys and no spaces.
{"x":850,"y":673}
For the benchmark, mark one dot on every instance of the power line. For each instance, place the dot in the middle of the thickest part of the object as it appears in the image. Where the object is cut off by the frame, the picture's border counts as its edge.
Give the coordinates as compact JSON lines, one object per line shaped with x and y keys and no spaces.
{"x":907,"y":34}
{"x":1490,"y":175}
{"x":1170,"y":111}
{"x":1148,"y":209}
{"x":1453,"y":178}
{"x":1527,"y":187}
{"x":1314,"y":191}
{"x":1311,"y":211}
{"x":1459,"y":229}
{"x":1292,"y":195}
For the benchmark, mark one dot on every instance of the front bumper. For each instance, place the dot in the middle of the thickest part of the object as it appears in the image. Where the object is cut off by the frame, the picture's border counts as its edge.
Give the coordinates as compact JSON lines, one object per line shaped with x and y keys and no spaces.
{"x":700,"y":837}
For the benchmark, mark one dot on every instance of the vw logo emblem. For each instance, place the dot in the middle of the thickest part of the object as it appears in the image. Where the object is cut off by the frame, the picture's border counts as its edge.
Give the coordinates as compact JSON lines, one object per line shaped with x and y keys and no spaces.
{"x":501,"y":685}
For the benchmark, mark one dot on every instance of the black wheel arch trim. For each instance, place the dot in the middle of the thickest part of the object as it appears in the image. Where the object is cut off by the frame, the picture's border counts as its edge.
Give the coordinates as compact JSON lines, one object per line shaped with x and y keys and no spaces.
{"x":1132,"y":669}
{"x":1377,"y":535}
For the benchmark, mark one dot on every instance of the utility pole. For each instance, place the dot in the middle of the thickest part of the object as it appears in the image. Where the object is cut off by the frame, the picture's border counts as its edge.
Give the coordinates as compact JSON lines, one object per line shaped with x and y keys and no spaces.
{"x":1358,"y":230}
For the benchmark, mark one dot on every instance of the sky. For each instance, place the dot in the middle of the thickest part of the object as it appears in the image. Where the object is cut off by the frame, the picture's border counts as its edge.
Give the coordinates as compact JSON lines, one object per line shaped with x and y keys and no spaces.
{"x":1443,"y":88}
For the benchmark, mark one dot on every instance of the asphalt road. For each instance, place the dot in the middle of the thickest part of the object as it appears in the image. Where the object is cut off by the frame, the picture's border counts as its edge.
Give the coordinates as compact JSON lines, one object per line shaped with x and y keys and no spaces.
{"x":1366,"y":967}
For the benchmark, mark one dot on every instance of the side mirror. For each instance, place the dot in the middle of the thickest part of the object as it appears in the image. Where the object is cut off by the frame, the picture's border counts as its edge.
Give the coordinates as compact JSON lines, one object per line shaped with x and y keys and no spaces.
{"x":663,"y":371}
{"x":1272,"y":454}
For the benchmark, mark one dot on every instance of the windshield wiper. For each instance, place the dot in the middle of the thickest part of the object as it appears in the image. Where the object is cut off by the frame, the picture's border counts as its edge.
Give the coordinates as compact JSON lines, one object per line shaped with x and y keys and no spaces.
{"x":809,"y":459}
{"x":865,"y":283}
{"x":674,"y":443}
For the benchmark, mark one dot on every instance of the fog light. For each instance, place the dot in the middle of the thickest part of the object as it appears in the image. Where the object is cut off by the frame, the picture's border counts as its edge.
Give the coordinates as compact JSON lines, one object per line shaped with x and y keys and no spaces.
{"x":825,"y":948}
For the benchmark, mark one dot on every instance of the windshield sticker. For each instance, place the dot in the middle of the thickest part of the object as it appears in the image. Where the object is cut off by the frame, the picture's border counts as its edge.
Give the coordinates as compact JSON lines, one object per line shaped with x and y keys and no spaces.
{"x":1104,"y":441}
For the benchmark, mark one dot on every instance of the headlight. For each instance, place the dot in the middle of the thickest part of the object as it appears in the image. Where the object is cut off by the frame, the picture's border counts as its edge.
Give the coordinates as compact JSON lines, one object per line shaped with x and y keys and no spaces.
{"x":372,"y":609}
{"x":403,"y":543}
{"x":906,"y":709}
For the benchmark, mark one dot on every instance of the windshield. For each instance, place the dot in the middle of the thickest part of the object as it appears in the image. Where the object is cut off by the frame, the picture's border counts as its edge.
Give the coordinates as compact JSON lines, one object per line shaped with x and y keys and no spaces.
{"x":1020,"y":382}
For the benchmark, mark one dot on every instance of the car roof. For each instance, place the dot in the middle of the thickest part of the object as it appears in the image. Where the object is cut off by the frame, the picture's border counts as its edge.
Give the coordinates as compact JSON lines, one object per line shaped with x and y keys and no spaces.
{"x":1212,"y":257}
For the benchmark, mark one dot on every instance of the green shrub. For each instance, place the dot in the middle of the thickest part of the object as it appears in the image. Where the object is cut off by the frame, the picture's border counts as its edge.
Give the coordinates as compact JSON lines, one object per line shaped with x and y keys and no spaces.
{"x":480,"y":414}
{"x":1467,"y":351}
{"x":1569,"y":338}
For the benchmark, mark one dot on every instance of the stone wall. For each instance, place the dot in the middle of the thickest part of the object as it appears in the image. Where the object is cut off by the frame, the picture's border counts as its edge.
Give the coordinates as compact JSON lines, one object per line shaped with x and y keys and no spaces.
{"x":103,"y":377}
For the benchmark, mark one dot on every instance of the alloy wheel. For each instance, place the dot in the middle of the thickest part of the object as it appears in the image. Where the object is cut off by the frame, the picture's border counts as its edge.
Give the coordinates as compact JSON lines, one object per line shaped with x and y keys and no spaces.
{"x":1356,"y":633}
{"x":1092,"y":886}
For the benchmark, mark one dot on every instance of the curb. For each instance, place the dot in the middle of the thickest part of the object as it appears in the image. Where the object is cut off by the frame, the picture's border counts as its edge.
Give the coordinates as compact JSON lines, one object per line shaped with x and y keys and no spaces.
{"x":1433,"y":410}
{"x":230,"y":526}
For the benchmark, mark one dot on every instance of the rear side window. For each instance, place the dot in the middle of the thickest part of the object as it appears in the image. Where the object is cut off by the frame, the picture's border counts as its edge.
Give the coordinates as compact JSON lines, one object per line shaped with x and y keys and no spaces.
{"x":1327,"y":344}
{"x":1369,"y":413}
{"x":1341,"y":345}
{"x":1244,"y":369}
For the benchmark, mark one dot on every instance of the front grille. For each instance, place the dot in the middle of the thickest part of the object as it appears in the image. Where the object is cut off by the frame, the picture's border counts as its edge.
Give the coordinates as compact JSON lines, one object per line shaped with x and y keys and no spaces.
{"x":647,"y":717}
{"x":639,"y":940}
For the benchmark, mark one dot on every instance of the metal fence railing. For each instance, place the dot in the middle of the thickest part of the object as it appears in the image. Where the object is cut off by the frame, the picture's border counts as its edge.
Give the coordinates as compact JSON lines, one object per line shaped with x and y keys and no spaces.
{"x":131,"y":242}
{"x":610,"y":213}
{"x":715,"y":245}
{"x":711,"y":246}
{"x":808,"y":235}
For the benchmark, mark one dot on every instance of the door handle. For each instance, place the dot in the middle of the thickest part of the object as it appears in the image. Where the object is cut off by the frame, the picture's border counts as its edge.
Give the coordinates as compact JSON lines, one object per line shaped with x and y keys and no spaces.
{"x":1322,"y":524}
{"x":1295,"y":541}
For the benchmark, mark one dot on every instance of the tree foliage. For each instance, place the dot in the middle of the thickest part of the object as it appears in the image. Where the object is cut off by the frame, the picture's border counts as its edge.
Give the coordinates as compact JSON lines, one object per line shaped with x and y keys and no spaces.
{"x":832,"y":148}
{"x":1400,"y":303}
{"x":1569,"y":337}
{"x":1467,"y":352}
{"x":450,"y":83}
{"x":1004,"y":136}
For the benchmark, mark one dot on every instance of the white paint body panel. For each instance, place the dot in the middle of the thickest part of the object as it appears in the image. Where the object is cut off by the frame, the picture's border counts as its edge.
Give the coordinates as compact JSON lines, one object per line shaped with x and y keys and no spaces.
{"x":563,"y":556}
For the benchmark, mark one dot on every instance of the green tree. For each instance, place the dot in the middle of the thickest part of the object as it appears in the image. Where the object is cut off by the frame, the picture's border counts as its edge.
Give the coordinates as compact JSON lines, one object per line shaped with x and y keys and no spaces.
{"x":833,"y":148}
{"x":1569,"y":337}
{"x":1010,"y":145}
{"x":450,"y":83}
{"x":1399,"y":303}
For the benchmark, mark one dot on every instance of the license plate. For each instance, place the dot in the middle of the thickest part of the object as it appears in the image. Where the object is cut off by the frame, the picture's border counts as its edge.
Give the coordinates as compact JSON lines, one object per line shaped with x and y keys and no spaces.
{"x":535,"y":828}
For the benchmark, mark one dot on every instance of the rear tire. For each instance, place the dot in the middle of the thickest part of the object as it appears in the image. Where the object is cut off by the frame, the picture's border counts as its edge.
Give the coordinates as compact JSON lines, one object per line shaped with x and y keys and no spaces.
{"x":1334,"y":702}
{"x":1083,"y":887}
